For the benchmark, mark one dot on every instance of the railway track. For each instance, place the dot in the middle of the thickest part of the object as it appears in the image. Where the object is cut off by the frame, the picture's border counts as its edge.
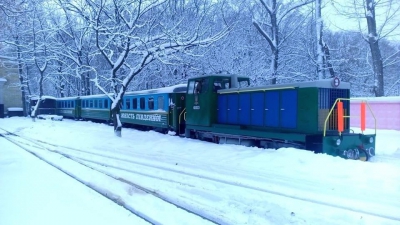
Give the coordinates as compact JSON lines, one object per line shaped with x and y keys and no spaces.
{"x":86,"y":158}
{"x":111,"y":196}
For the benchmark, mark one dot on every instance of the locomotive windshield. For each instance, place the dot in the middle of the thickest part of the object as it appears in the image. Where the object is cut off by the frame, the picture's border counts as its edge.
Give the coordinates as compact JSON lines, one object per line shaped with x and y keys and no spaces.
{"x":214,"y":83}
{"x":198,"y":86}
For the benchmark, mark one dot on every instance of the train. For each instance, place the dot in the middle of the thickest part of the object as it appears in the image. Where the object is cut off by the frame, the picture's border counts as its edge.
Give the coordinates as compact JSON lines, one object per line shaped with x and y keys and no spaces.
{"x":225,"y":109}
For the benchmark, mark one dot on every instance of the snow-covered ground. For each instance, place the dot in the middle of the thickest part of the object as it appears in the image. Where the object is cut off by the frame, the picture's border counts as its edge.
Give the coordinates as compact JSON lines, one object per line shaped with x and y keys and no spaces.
{"x":228,"y":183}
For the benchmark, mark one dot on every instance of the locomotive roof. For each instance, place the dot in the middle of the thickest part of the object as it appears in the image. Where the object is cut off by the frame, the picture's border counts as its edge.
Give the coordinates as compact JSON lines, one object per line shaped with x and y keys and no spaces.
{"x":326,"y":83}
{"x":220,"y":75}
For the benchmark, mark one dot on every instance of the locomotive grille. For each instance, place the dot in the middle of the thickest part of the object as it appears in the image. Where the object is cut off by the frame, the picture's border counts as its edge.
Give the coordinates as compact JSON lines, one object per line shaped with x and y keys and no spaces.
{"x":326,"y":99}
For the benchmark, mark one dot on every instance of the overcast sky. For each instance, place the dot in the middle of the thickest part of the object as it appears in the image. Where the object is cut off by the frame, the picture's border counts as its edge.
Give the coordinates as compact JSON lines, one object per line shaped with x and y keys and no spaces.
{"x":335,"y":21}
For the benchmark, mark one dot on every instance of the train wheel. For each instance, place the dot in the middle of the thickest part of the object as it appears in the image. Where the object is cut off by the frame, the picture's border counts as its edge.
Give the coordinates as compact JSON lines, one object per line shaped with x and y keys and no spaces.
{"x":363,"y":155}
{"x":187,"y":133}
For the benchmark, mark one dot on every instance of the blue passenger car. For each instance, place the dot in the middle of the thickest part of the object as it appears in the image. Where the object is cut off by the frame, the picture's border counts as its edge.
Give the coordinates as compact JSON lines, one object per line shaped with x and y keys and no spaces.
{"x":69,"y":107}
{"x":159,"y":109}
{"x":96,"y":107}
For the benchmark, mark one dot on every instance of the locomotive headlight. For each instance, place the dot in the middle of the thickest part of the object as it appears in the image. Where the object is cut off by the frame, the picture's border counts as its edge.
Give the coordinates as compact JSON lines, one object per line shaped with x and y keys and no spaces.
{"x":371,"y":151}
{"x":371,"y":140}
{"x":338,"y":142}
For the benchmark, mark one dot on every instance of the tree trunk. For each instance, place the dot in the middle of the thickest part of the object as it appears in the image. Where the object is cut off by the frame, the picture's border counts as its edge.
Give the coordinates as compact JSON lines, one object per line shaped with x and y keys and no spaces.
{"x":22,"y":83}
{"x":117,"y":120}
{"x":373,"y":42}
{"x":274,"y":66}
{"x":320,"y":42}
{"x":275,"y":42}
{"x":34,"y":112}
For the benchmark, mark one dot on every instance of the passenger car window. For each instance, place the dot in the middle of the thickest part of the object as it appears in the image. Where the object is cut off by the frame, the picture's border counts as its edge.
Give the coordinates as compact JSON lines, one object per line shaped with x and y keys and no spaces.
{"x":134,"y":103}
{"x":128,"y":103}
{"x":142,"y":103}
{"x":160,"y":102}
{"x":151,"y":103}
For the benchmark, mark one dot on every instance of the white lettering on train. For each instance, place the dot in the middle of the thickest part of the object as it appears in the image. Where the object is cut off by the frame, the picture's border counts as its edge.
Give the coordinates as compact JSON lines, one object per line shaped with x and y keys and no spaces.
{"x":144,"y":117}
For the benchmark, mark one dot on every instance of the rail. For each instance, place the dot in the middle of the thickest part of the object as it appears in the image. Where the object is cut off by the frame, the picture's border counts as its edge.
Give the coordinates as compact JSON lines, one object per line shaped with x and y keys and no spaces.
{"x":341,"y":116}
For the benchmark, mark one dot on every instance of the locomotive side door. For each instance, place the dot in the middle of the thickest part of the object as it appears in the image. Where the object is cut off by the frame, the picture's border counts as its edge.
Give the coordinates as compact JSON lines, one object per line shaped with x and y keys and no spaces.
{"x":176,"y":116}
{"x":288,"y":110}
{"x":198,"y":102}
{"x":281,"y":108}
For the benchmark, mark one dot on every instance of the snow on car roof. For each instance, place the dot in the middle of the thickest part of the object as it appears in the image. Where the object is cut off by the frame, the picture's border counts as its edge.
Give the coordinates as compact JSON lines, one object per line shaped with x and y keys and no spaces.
{"x":43,"y":97}
{"x":179,"y":88}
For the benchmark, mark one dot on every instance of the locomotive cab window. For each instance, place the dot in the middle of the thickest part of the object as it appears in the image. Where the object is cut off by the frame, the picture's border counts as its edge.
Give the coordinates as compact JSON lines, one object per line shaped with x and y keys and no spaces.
{"x":101,"y":104}
{"x":244,"y":82}
{"x":96,"y":103}
{"x":191,"y":87}
{"x":106,"y":104}
{"x":198,"y":86}
{"x":220,"y":84}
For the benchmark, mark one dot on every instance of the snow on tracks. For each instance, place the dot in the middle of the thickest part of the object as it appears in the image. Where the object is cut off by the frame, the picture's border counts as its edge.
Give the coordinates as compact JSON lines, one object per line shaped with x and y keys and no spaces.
{"x":140,"y":202}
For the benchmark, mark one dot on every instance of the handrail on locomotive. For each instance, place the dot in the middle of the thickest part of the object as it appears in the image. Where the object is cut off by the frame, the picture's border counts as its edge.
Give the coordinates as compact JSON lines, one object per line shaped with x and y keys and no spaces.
{"x":344,"y":116}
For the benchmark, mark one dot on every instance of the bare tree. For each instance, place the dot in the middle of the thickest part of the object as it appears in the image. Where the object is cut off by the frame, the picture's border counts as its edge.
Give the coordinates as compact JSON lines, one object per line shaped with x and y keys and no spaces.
{"x":41,"y":55}
{"x":323,"y":52}
{"x":129,"y":35}
{"x":381,"y":22}
{"x":269,"y":26}
{"x":74,"y":33}
{"x":373,"y":41}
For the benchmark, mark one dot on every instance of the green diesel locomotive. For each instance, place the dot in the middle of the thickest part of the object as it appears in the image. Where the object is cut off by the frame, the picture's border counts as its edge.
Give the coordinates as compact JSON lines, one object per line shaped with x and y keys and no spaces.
{"x":308,"y":115}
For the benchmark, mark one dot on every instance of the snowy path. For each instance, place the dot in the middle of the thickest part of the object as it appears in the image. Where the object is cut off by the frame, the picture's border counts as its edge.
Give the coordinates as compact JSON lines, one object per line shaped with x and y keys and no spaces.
{"x":234,"y":184}
{"x":33,"y":198}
